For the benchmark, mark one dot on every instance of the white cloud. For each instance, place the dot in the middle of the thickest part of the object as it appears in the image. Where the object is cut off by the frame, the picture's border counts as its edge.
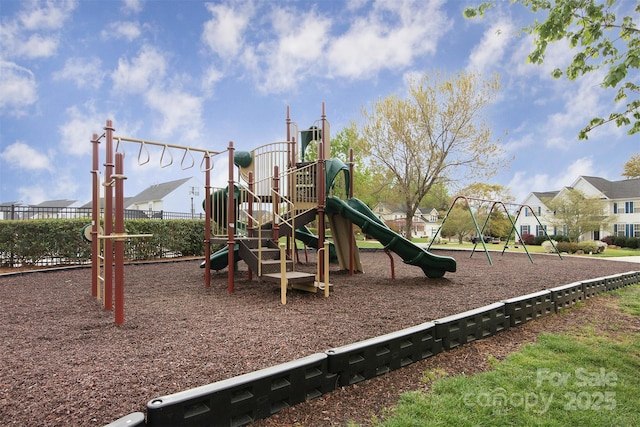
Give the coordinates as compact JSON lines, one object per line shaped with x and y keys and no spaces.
{"x":38,"y":46}
{"x":181,"y":112}
{"x":127,"y":30}
{"x":211,"y":76}
{"x":490,"y":51}
{"x":223,"y":33}
{"x":522,"y":185}
{"x":32,"y":195}
{"x":295,"y":52}
{"x":18,"y":88}
{"x":514,"y":145}
{"x":76,"y":132}
{"x":22,"y":156}
{"x":557,"y":55}
{"x":84,"y":72}
{"x":133,"y":6}
{"x":391,"y":36}
{"x":34,"y":33}
{"x":582,"y":101}
{"x":137,"y":75}
{"x":47,"y":15}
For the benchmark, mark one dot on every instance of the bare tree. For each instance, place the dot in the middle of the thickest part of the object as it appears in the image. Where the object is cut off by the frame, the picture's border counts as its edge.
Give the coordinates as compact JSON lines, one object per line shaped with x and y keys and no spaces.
{"x":435,"y":135}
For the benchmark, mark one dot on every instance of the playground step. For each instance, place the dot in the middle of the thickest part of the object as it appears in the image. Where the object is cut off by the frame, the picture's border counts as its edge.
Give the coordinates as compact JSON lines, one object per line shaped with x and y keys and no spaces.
{"x":273,"y":266}
{"x":254,"y":242}
{"x":293,"y":277}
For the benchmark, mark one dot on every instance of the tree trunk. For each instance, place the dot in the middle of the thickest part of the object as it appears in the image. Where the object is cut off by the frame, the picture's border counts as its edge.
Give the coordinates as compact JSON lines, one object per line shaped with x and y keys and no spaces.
{"x":408,"y":226}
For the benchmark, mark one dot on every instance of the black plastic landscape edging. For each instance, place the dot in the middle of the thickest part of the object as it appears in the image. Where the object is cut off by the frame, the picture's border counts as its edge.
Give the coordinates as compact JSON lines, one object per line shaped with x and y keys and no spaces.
{"x":244,"y":399}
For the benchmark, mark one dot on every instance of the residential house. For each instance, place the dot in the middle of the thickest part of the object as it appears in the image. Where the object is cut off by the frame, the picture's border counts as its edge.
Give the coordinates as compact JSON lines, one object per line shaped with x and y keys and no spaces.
{"x":52,"y":209}
{"x":425,"y":222}
{"x":622,"y":203}
{"x":182,"y":195}
{"x":10,"y":210}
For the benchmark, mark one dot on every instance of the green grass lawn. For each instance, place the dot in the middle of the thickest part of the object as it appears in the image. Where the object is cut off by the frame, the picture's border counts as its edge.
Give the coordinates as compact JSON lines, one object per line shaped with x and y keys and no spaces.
{"x":499,"y":247}
{"x":587,"y":378}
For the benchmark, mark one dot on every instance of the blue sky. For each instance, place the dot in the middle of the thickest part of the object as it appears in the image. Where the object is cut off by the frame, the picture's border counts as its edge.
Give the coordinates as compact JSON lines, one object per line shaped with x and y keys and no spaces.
{"x":203,"y":73}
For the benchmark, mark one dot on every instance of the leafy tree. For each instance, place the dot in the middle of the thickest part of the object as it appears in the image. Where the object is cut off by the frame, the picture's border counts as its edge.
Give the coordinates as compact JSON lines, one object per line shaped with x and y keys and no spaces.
{"x":434,"y":133}
{"x":632,"y":167}
{"x":458,"y":223}
{"x":602,"y":39}
{"x":498,"y":224}
{"x":577,"y":213}
{"x":481,"y":190}
{"x":367,"y":184}
{"x":437,"y":197}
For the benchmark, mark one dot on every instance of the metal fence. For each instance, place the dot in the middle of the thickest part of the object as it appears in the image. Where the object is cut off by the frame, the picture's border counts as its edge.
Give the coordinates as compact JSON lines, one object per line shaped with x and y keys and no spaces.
{"x":21,"y":212}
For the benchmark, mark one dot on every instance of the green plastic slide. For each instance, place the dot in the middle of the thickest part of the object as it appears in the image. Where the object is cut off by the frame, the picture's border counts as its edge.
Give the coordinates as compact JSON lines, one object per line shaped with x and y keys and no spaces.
{"x":356,"y":211}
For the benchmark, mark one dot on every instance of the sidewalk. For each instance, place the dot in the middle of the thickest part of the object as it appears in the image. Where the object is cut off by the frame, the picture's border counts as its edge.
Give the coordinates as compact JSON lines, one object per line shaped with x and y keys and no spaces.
{"x":635,"y":259}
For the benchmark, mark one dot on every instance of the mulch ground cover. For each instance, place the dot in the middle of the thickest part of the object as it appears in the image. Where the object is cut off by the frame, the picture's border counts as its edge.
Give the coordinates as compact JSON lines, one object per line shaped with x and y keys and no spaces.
{"x":65,"y":363}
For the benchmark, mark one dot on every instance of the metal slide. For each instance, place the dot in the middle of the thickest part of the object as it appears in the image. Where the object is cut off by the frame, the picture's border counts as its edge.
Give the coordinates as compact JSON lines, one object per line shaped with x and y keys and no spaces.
{"x":356,"y":211}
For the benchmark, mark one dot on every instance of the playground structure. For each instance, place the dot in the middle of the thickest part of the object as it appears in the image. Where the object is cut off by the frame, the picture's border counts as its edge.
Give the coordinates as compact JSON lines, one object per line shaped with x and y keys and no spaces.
{"x":277,"y":193}
{"x":480,"y":230}
{"x":107,"y":240}
{"x":272,"y":195}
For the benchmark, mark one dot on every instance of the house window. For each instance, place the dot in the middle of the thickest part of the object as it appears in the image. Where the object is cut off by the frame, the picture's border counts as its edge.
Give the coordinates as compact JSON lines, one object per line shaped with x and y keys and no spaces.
{"x":618,"y":229}
{"x":525,"y":229}
{"x":615,"y":208}
{"x":527,"y":212}
{"x":636,"y":230}
{"x":539,"y":210}
{"x":628,"y":207}
{"x":540,"y":230}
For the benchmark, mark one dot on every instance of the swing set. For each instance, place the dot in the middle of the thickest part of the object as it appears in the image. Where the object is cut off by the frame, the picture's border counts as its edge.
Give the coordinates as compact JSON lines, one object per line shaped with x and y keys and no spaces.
{"x":480,"y":230}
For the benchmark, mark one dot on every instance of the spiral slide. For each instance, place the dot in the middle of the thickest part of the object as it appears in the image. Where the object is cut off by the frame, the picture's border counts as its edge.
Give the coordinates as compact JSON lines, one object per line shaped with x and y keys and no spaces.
{"x":356,"y":211}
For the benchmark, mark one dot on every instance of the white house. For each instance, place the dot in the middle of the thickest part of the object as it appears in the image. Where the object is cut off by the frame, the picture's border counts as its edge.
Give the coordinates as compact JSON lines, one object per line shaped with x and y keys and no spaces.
{"x":425,"y":220}
{"x":182,"y":195}
{"x":622,"y":203}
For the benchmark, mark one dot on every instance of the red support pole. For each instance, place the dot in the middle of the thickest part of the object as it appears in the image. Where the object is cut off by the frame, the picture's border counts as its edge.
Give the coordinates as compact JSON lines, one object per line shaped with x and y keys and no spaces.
{"x":108,"y":218}
{"x":119,"y":242}
{"x":95,"y":216}
{"x":207,"y":223}
{"x":231,"y":220}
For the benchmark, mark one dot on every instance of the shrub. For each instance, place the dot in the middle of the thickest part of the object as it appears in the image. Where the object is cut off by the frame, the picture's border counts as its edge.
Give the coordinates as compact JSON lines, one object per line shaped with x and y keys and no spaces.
{"x":620,"y":241}
{"x":555,"y":237}
{"x":527,"y":239}
{"x":633,"y":242}
{"x":608,"y":240}
{"x":548,"y":247}
{"x":588,"y":247}
{"x":568,"y":247}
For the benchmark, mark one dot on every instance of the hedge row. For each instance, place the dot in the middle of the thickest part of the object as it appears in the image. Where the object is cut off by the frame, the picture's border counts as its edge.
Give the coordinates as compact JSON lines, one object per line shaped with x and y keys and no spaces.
{"x":622,"y":241}
{"x":60,"y":241}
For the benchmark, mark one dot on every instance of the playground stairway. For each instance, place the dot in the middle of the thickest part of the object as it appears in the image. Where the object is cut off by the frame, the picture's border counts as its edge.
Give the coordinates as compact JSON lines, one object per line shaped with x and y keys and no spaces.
{"x":301,"y":218}
{"x":264,"y":257}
